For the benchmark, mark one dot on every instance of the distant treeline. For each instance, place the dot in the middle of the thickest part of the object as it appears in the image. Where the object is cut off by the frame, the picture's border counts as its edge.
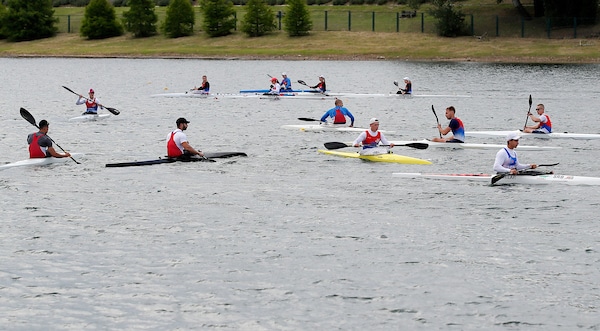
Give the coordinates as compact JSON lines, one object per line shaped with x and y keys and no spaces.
{"x":164,"y":3}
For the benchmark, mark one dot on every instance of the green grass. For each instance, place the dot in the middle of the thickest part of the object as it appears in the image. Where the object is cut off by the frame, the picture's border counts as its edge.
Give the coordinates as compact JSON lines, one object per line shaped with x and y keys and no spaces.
{"x":339,"y":43}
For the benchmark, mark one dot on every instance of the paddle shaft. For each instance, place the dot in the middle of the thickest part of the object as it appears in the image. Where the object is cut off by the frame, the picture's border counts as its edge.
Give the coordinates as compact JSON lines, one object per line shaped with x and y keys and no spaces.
{"x":29,"y":118}
{"x":496,"y":178}
{"x":338,"y":145}
{"x":437,"y":120}
{"x":112,"y":110}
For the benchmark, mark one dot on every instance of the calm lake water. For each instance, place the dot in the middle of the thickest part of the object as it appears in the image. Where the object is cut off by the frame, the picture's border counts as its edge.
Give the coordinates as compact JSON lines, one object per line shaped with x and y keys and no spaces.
{"x":287,"y":238}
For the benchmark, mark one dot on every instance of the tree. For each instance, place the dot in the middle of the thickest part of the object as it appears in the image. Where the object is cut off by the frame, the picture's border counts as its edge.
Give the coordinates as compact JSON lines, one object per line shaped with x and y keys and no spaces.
{"x":99,"y":21}
{"x":259,"y":19}
{"x":450,"y":19}
{"x":141,"y":18}
{"x":28,"y":20}
{"x":297,"y":20}
{"x":3,"y":12}
{"x":180,"y":19}
{"x":219,"y":17}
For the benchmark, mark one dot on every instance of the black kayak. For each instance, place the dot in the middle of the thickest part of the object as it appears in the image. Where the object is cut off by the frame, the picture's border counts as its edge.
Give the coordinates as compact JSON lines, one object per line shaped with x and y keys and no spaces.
{"x":208,"y":158}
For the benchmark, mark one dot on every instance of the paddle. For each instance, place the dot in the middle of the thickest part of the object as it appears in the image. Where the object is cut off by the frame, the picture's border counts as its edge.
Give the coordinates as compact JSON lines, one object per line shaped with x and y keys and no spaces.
{"x":396,"y":83}
{"x":338,"y":145}
{"x":528,"y":112}
{"x":308,"y":119}
{"x":436,"y":119}
{"x":112,"y":110}
{"x":29,"y":118}
{"x":496,"y":178}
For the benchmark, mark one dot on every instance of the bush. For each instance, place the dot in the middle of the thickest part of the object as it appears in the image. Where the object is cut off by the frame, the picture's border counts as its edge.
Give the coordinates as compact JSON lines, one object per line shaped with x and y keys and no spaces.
{"x":219,"y":17}
{"x":141,"y":19}
{"x":99,"y":21}
{"x":259,"y":19}
{"x":450,"y":20}
{"x":297,"y":21}
{"x":28,"y":20}
{"x":180,"y":19}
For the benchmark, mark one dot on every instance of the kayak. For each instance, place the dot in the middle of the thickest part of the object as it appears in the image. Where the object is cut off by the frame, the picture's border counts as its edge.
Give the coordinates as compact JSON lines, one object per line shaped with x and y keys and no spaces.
{"x":283,"y":91}
{"x":327,"y":127}
{"x":40,"y":161}
{"x":296,"y":96}
{"x":209,"y":158}
{"x":535,"y":135}
{"x":390,"y":157}
{"x":89,"y":117}
{"x":188,"y":94}
{"x":435,"y":144}
{"x":508,"y":179}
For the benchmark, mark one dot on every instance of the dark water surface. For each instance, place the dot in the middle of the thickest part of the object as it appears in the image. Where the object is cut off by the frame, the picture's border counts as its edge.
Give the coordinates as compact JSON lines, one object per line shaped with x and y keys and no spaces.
{"x":289,"y":239}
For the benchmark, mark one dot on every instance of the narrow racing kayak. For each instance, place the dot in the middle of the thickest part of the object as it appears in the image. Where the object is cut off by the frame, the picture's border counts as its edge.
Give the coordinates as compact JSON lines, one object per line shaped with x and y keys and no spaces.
{"x":390,"y":157}
{"x":187,"y":94}
{"x":40,"y":161}
{"x":209,"y":158}
{"x":507,"y":179}
{"x":434,"y":144}
{"x":89,"y":117}
{"x":327,"y":127}
{"x":534,"y":135}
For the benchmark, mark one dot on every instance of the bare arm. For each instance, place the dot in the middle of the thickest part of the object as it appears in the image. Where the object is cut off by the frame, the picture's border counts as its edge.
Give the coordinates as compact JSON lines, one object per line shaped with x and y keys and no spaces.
{"x":191,"y":149}
{"x":54,"y":153}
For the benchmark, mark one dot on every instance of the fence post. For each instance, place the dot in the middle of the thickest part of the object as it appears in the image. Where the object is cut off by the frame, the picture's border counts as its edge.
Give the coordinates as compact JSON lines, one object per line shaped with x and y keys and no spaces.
{"x":548,"y":26}
{"x":373,"y":21}
{"x":574,"y":27}
{"x":279,"y":15}
{"x":497,"y":26}
{"x":472,"y":26}
{"x":325,"y":20}
{"x":522,"y":27}
{"x":235,"y":19}
{"x":397,"y":22}
{"x":422,"y":22}
{"x":349,"y":21}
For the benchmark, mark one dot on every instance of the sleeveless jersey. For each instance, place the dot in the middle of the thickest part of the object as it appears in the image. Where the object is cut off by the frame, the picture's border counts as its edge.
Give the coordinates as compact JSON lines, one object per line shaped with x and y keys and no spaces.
{"x":35,"y":150}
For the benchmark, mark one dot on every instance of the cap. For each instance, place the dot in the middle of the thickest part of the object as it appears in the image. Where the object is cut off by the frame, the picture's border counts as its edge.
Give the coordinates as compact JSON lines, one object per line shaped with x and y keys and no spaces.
{"x":91,"y":91}
{"x":273,"y":79}
{"x":405,"y":78}
{"x":373,"y":120}
{"x":43,"y":123}
{"x":283,"y":74}
{"x":513,"y":136}
{"x":321,"y":76}
{"x":181,"y":120}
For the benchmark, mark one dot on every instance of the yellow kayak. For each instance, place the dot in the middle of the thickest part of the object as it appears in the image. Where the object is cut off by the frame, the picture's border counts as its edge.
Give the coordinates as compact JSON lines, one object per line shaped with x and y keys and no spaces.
{"x":390,"y":157}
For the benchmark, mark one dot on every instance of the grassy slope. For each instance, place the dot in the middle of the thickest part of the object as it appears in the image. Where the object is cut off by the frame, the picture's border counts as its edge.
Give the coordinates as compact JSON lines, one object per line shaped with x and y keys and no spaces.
{"x":325,"y":45}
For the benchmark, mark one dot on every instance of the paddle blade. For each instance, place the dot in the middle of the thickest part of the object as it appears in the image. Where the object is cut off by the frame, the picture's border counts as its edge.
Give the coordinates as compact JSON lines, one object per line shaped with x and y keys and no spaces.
{"x":548,"y":165}
{"x":496,"y":178}
{"x":335,"y":145}
{"x":396,"y":82}
{"x":530,"y":101}
{"x":113,"y":110}
{"x":28,"y":117}
{"x":68,"y":89}
{"x":308,"y":119}
{"x":301,"y":82}
{"x":417,"y":145}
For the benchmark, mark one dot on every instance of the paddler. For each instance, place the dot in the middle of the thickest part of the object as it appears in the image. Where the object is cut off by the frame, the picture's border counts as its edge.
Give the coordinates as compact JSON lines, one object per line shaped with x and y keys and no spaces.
{"x":506,"y":158}
{"x":40,"y":145}
{"x":177,"y":142}
{"x":286,"y":83}
{"x":321,"y":86}
{"x":455,"y":125}
{"x":544,"y":125}
{"x":91,"y":103}
{"x":370,"y":139}
{"x":338,"y":113}
{"x":275,"y":86}
{"x":407,"y":86}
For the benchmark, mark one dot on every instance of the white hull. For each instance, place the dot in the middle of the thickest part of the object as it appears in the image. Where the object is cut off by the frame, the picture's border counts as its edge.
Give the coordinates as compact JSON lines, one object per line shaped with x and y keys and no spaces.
{"x":40,"y":162}
{"x":85,"y":118}
{"x":433,"y":144}
{"x":508,"y":179}
{"x":187,"y":95}
{"x":318,"y":127}
{"x":503,"y":134}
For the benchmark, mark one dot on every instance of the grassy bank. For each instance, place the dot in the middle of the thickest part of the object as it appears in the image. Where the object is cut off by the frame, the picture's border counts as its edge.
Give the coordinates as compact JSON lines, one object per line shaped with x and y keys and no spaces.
{"x":319,"y":45}
{"x":356,"y":45}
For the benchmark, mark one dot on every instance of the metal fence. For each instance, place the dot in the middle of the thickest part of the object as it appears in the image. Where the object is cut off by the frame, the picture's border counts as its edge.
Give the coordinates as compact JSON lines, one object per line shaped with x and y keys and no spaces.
{"x":403,"y":22}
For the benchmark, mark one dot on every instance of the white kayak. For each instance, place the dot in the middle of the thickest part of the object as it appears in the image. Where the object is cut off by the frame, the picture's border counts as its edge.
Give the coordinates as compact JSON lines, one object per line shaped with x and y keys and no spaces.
{"x":507,"y":179}
{"x":327,"y":127}
{"x":534,"y":135}
{"x":434,"y":144}
{"x":187,"y":94}
{"x":40,"y":161}
{"x":89,"y":117}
